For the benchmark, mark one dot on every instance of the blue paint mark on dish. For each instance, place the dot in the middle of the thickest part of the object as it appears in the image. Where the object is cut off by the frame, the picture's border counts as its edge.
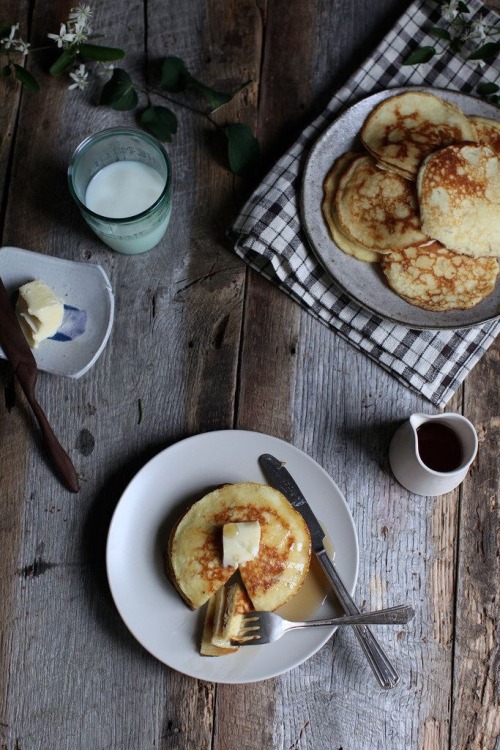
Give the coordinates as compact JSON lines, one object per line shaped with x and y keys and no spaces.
{"x":73,"y":324}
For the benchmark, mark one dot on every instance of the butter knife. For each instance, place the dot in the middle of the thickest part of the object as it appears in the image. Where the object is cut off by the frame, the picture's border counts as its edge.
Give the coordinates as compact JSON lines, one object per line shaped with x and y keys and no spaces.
{"x":20,"y":356}
{"x":281,"y":479}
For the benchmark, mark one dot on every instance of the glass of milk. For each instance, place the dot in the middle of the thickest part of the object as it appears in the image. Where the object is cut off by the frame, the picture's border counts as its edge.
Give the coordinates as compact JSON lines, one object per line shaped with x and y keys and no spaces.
{"x":121,"y":180}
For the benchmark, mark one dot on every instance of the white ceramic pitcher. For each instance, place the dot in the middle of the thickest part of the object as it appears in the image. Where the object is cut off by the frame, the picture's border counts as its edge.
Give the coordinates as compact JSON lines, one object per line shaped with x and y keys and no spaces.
{"x":408,"y":466}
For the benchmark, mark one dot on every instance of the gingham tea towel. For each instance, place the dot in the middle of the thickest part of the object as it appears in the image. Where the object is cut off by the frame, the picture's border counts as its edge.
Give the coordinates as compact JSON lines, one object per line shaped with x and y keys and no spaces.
{"x":269,"y":237}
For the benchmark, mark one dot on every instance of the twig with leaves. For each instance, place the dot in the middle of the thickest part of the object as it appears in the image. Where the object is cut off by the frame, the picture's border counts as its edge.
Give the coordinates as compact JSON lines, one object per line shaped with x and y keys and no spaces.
{"x":78,"y":50}
{"x":474,"y":39}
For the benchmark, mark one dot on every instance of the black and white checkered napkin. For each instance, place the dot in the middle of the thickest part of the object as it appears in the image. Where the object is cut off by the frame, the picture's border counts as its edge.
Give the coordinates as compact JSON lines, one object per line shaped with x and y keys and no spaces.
{"x":269,"y":237}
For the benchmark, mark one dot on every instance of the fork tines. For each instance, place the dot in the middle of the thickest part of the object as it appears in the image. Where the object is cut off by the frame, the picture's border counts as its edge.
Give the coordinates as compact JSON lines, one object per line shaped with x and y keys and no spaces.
{"x":249,"y":628}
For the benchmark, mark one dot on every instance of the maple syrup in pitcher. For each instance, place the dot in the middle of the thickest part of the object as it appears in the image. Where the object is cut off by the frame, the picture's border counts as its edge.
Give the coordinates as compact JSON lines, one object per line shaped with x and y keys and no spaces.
{"x":439,"y":447}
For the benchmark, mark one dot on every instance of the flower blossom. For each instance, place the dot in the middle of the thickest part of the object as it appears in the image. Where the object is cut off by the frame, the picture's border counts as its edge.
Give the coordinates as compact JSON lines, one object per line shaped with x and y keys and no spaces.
{"x":21,"y":46}
{"x":64,"y":37}
{"x":80,"y":17}
{"x":450,"y":10}
{"x":9,"y":41}
{"x":79,"y":77}
{"x":479,"y":30}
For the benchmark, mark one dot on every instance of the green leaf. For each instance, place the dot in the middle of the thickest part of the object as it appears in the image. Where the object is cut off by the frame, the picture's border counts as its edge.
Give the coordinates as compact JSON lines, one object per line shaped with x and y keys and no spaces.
{"x":420,"y":55}
{"x":242,"y":149}
{"x":462,"y":7}
{"x":215,"y":99}
{"x":101,"y":54}
{"x":65,"y":60}
{"x":119,"y":92}
{"x":439,"y":33}
{"x":174,"y":75}
{"x":26,"y":78}
{"x":485,"y":89}
{"x":488,"y":50}
{"x":176,"y":78}
{"x":160,"y":121}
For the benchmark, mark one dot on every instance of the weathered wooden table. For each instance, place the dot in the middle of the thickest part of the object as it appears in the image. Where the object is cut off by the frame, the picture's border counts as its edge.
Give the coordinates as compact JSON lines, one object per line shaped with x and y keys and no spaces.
{"x":201,"y":343}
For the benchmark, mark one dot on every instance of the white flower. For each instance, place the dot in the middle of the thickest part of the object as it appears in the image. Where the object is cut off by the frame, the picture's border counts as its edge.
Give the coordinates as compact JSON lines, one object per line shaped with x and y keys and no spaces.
{"x":80,"y":32}
{"x":64,"y":37}
{"x":81,"y":16}
{"x":9,"y":41}
{"x":21,"y":46}
{"x":479,"y":30}
{"x":80,"y":78}
{"x":450,"y":11}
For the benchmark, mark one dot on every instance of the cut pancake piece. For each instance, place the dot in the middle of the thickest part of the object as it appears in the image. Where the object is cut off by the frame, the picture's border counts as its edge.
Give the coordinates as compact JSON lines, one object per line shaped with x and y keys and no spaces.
{"x":194,"y":556}
{"x":231,"y":603}
{"x":207,"y":648}
{"x":459,"y":194}
{"x":376,"y":208}
{"x":437,"y":279}
{"x":488,"y":132}
{"x":405,"y":128}
{"x":330,"y":184}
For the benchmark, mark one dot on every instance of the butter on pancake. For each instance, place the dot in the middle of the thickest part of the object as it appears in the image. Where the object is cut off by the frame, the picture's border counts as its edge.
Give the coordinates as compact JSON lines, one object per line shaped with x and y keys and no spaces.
{"x":330,"y":184}
{"x":435,"y":278}
{"x":376,"y":208}
{"x":459,"y":195}
{"x":402,"y":130}
{"x":488,"y":132}
{"x":195,"y":557}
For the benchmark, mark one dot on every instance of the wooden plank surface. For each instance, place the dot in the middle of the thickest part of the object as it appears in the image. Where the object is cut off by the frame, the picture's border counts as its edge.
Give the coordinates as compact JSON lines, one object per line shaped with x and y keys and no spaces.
{"x":202,"y":343}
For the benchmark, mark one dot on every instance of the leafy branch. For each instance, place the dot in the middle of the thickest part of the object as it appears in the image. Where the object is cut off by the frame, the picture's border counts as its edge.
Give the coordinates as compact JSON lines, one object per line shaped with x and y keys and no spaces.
{"x":462,"y":35}
{"x":76,"y":42}
{"x":121,"y":94}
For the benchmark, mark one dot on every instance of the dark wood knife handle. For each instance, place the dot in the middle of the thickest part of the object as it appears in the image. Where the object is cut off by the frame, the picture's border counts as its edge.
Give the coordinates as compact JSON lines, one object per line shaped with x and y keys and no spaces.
{"x":57,"y":455}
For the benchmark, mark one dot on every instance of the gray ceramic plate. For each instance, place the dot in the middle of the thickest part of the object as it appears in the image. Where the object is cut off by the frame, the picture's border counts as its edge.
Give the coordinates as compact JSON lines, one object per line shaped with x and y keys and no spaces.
{"x":364,"y":282}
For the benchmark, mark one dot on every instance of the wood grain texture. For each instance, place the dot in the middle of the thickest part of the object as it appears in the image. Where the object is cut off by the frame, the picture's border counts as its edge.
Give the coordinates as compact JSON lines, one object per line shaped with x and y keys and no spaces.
{"x":476,"y":696}
{"x":202,"y":343}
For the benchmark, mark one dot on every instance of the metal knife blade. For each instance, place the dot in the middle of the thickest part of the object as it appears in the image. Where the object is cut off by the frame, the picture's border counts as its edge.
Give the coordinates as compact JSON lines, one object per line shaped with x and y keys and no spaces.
{"x":19,"y":354}
{"x":280,"y":478}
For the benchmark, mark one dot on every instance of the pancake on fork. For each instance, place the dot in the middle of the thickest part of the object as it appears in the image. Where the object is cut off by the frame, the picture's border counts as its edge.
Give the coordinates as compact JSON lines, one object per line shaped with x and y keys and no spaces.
{"x":437,"y":279}
{"x":223,"y":619}
{"x":330,"y":184}
{"x":459,"y":195}
{"x":195,"y":559}
{"x":403,"y":129}
{"x":376,"y":208}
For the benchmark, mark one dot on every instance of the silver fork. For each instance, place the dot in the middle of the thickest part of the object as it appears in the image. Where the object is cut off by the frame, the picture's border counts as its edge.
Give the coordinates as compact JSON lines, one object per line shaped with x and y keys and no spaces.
{"x":258,"y":628}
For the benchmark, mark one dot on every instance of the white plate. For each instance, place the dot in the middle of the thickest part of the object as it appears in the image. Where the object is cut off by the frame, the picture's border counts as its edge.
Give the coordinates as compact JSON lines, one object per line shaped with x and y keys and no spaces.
{"x":364,"y":282}
{"x":88,"y":307}
{"x":137,"y":539}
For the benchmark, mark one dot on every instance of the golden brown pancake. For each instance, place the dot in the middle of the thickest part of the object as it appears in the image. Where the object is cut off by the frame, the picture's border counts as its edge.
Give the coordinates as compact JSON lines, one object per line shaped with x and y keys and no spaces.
{"x":194,"y":557}
{"x":488,"y":132}
{"x":376,"y":208}
{"x":459,"y":195}
{"x":437,"y":279}
{"x":405,"y":128}
{"x":344,"y":243}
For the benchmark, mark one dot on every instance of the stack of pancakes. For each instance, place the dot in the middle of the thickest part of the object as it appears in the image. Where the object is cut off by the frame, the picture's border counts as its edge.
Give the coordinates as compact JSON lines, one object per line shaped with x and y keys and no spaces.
{"x":423,"y":199}
{"x":194,"y":559}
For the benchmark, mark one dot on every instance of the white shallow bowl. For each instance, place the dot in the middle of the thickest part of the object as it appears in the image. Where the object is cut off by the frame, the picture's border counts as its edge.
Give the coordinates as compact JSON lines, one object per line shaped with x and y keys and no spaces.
{"x":138,"y":535}
{"x":88,"y":307}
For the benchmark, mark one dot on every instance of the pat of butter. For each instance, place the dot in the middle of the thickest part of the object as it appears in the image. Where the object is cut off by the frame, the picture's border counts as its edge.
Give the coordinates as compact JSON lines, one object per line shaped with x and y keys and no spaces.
{"x":39,"y":311}
{"x":240,"y":542}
